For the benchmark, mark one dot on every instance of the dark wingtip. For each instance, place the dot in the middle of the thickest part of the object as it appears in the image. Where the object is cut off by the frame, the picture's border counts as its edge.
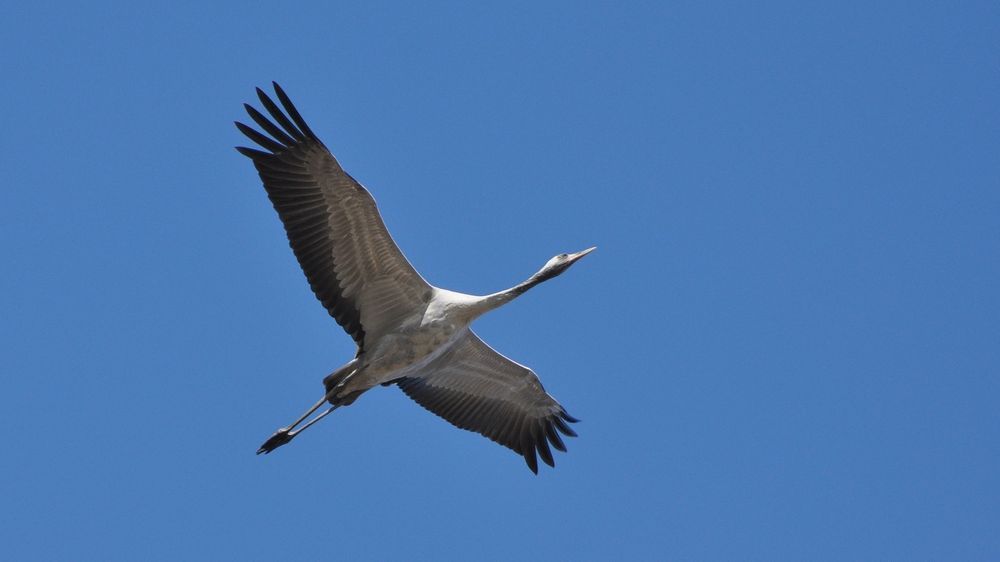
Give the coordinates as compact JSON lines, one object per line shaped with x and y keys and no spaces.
{"x":532,"y":462}
{"x":565,"y":415}
{"x":293,"y":112}
{"x":244,"y":128}
{"x":262,"y":96}
{"x":543,"y":446}
{"x":528,"y":450}
{"x":260,"y":139}
{"x":278,"y":116}
{"x":554,"y":438}
{"x":250,"y":153}
{"x":272,"y":129}
{"x":561,"y":426}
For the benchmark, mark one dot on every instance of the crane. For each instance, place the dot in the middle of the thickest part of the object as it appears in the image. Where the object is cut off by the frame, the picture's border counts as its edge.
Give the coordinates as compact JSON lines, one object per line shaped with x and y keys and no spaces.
{"x":408,"y":332}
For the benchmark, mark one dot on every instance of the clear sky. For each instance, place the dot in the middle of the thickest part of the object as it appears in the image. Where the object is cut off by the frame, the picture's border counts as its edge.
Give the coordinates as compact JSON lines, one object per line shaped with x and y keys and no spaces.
{"x":786,"y":347}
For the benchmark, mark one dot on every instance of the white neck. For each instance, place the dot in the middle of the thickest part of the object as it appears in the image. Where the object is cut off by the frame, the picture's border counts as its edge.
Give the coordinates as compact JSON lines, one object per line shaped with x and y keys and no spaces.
{"x":491,"y":302}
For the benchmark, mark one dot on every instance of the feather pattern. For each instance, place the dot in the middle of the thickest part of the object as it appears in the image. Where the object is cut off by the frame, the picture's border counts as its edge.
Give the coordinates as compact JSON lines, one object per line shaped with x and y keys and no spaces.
{"x":475,"y":388}
{"x":333,"y":225}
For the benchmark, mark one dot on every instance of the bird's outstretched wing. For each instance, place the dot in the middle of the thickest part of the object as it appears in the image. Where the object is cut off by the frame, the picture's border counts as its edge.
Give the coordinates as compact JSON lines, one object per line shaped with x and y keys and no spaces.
{"x":333,"y":226}
{"x":475,"y":388}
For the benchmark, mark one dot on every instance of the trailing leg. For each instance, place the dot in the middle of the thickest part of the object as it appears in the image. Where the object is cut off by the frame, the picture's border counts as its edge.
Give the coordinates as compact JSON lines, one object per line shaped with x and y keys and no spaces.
{"x":331,"y":382}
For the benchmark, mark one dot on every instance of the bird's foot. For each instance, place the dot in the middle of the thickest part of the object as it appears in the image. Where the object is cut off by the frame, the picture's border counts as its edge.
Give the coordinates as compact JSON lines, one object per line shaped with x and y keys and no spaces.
{"x":279,"y":438}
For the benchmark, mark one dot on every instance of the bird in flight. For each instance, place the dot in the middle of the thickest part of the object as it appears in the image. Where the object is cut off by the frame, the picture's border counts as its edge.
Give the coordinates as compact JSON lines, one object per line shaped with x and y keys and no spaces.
{"x":408,"y":332}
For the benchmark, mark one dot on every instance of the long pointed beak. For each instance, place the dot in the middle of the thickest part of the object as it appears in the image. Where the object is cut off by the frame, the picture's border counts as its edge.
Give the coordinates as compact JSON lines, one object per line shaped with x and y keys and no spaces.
{"x":579,"y":255}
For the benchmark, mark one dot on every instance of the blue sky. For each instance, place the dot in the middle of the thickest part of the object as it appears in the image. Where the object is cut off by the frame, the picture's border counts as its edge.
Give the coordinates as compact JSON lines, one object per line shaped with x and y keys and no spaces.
{"x":786,"y":347}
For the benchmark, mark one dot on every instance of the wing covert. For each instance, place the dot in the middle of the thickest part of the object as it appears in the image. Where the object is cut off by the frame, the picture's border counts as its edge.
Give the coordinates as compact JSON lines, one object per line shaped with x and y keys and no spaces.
{"x":475,"y":388}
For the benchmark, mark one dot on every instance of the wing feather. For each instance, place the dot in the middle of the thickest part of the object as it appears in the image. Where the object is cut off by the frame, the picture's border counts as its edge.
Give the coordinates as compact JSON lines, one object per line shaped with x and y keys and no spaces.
{"x":333,"y":225}
{"x":475,"y":388}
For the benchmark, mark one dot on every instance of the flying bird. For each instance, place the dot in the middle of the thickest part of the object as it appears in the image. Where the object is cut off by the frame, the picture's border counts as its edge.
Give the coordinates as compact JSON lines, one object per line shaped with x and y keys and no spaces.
{"x":408,"y":332}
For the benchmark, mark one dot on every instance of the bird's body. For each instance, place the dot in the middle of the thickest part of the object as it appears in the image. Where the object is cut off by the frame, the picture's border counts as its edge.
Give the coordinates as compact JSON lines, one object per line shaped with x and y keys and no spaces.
{"x":408,"y":332}
{"x":415,"y":341}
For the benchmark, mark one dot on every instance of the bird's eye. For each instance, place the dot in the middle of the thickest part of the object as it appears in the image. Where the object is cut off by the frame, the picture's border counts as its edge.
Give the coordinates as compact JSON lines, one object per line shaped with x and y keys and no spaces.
{"x":563,"y":256}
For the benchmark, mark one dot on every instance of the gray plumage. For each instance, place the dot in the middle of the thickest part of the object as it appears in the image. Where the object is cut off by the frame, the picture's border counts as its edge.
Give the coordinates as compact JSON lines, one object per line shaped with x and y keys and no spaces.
{"x":407,"y":332}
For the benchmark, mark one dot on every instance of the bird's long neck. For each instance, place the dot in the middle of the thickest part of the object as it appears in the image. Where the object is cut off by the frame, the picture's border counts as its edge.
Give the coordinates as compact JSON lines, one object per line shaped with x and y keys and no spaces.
{"x":496,"y":300}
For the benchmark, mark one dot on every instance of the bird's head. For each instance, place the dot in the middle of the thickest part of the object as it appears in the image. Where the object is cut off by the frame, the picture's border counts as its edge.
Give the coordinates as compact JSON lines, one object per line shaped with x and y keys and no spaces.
{"x":560,"y":263}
